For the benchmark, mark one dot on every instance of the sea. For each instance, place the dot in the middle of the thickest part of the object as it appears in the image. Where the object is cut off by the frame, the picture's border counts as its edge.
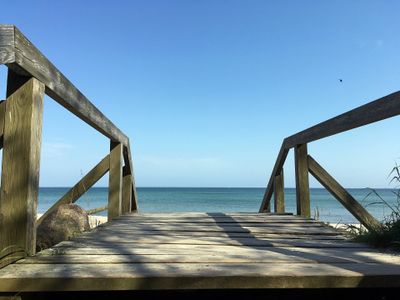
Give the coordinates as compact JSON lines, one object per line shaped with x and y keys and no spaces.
{"x":379,"y":202}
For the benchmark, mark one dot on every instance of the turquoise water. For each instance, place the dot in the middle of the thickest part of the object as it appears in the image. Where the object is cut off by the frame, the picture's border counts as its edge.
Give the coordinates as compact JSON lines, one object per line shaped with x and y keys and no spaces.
{"x":227,"y":200}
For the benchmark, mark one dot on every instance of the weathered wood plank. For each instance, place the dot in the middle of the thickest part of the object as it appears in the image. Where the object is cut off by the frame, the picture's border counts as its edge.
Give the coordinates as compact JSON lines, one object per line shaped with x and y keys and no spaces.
{"x":25,"y":59}
{"x":2,"y":118}
{"x":129,"y":170}
{"x":344,"y":197}
{"x":265,"y":205}
{"x":7,"y":44}
{"x":115,"y":181}
{"x":126,"y":193}
{"x":247,"y":241}
{"x":20,"y":168}
{"x":231,"y":250}
{"x":212,"y":214}
{"x":383,"y":108}
{"x":304,"y":228}
{"x":279,"y":195}
{"x":232,"y":220}
{"x":66,"y":277}
{"x":128,"y":226}
{"x":94,"y":211}
{"x":302,"y":185}
{"x":218,"y":255}
{"x":81,"y":187}
{"x":257,"y":235}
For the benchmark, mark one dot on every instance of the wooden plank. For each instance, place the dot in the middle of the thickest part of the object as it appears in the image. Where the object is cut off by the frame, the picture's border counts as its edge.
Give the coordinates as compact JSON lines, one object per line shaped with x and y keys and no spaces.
{"x":2,"y":115}
{"x":383,"y":108}
{"x":265,"y":205}
{"x":279,"y":195}
{"x":173,"y":241}
{"x":7,"y":54}
{"x":81,"y":187}
{"x":129,"y":225}
{"x":211,"y":214}
{"x":302,"y":185}
{"x":126,"y":193}
{"x":169,"y":249}
{"x":20,"y":168}
{"x":68,"y":277}
{"x":344,"y":197}
{"x":115,"y":181}
{"x":257,"y":235}
{"x":133,"y":241}
{"x":94,"y":211}
{"x":129,"y":170}
{"x":25,"y":59}
{"x":212,"y":221}
{"x":218,"y":255}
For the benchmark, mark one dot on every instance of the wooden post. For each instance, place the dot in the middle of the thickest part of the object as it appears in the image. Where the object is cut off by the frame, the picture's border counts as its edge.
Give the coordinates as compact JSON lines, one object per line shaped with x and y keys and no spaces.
{"x":115,"y":181}
{"x":20,"y":167}
{"x":2,"y":114}
{"x":279,"y":195}
{"x":302,"y":186}
{"x":126,"y":192}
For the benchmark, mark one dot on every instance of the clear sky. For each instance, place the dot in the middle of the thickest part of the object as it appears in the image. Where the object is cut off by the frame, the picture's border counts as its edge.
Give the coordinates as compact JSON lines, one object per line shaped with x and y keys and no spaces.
{"x":207,"y":90}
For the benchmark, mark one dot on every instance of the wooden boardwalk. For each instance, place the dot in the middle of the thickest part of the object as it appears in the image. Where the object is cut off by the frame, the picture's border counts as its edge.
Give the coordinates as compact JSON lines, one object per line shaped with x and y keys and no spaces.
{"x":204,"y":251}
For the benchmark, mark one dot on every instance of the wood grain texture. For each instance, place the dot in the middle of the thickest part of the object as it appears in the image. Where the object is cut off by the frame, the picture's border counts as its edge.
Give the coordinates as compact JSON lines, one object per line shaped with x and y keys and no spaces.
{"x":383,"y":108}
{"x":130,"y":170}
{"x":29,"y":60}
{"x":344,"y":197}
{"x":265,"y":205}
{"x":302,"y":185}
{"x":20,"y":168}
{"x":115,"y":181}
{"x":81,"y":187}
{"x":7,"y":44}
{"x":2,"y":118}
{"x":197,"y":276}
{"x":123,"y":254}
{"x":126,"y":193}
{"x":279,"y":194}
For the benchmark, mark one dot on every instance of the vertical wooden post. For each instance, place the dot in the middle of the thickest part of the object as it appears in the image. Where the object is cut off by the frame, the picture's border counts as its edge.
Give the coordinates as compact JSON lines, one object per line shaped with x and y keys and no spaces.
{"x":20,"y":167}
{"x":126,"y":192}
{"x":134,"y":205}
{"x":279,"y":195}
{"x":115,"y":181}
{"x":302,"y":186}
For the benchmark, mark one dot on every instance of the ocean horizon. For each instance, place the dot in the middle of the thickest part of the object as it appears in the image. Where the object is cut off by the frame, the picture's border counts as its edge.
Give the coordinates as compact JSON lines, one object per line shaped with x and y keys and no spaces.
{"x":231,"y":199}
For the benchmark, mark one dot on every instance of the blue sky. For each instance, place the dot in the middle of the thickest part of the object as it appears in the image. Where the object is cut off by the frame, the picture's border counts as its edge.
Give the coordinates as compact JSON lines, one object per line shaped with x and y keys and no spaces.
{"x":207,"y":90}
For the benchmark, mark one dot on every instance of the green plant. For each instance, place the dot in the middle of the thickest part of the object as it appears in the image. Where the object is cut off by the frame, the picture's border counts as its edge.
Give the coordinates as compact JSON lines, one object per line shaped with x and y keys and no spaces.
{"x":389,"y":236}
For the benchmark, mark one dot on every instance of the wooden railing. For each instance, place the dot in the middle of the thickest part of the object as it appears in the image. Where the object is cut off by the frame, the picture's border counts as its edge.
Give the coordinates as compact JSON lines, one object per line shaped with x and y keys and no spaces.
{"x":383,"y":108}
{"x":30,"y":77}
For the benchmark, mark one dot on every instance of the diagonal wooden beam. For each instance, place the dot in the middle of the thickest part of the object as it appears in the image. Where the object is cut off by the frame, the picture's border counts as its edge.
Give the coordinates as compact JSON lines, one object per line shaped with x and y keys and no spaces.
{"x":81,"y":187}
{"x":343,"y":196}
{"x":265,"y":205}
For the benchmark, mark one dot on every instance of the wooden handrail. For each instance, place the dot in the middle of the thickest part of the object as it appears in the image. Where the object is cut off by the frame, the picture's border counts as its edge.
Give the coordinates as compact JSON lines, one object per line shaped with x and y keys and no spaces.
{"x":380,"y":109}
{"x":383,"y":108}
{"x":25,"y":59}
{"x":30,"y":76}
